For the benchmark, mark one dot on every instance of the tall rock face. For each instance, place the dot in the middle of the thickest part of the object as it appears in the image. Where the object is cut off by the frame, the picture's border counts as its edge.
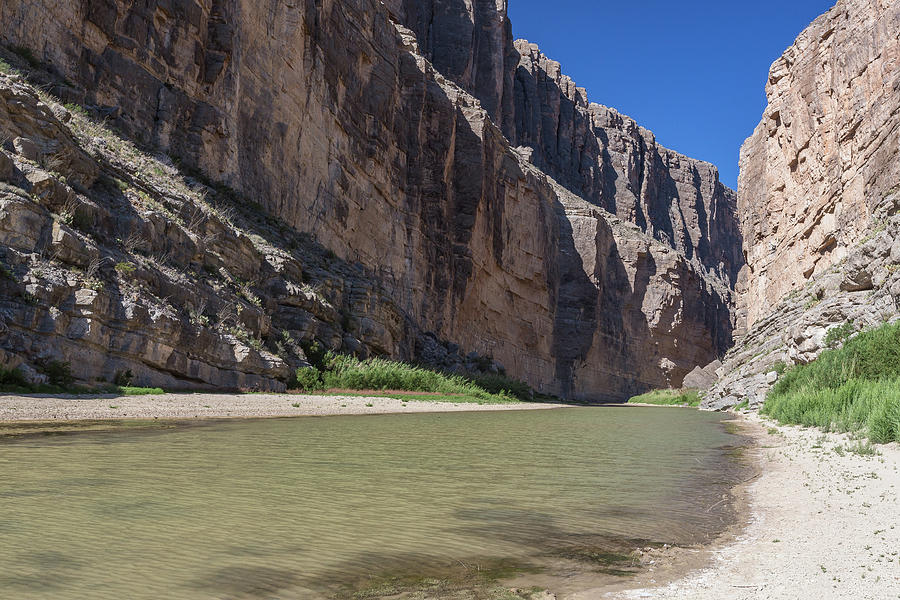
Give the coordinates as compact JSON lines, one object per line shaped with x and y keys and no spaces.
{"x":609,"y":160}
{"x":819,"y":199}
{"x":469,"y":42}
{"x":825,"y":152}
{"x":341,"y":122}
{"x":594,"y":151}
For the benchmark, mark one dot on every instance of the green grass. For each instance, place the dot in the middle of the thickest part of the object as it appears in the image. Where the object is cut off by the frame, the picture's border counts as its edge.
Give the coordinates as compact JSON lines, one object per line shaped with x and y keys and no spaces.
{"x":854,"y":388}
{"x":129,"y":390}
{"x":387,"y":378}
{"x":7,"y":69}
{"x":668,"y":398}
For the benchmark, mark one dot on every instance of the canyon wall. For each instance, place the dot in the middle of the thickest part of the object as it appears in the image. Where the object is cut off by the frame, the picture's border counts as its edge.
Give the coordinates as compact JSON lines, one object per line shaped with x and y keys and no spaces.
{"x":391,"y":146}
{"x":825,"y":152}
{"x":594,"y":151}
{"x":608,"y":159}
{"x":819,"y":200}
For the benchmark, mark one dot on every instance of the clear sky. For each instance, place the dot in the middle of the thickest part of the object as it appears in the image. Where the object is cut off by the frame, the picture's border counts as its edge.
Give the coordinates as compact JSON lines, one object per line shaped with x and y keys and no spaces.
{"x":693,"y":72}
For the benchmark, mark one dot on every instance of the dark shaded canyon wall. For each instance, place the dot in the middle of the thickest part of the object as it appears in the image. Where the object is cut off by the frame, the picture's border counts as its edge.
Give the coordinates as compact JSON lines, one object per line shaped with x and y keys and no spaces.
{"x":471,"y":43}
{"x":330,"y":117}
{"x":594,"y":151}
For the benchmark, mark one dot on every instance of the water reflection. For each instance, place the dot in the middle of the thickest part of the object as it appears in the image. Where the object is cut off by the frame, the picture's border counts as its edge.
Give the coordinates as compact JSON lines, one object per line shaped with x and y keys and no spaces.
{"x":354,"y":506}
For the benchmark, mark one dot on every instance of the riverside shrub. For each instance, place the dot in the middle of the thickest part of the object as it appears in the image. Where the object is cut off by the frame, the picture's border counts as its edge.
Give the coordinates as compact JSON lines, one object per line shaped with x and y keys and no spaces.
{"x":342,"y":372}
{"x":668,"y":398}
{"x":853,"y":388}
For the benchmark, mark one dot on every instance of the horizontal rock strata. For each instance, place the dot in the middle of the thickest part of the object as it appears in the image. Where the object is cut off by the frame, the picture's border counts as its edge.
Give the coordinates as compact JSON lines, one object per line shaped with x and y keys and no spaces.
{"x":825,"y":152}
{"x":330,"y":117}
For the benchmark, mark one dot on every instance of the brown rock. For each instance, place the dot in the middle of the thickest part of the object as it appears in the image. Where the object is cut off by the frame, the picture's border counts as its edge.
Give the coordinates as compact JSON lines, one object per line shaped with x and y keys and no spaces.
{"x":7,"y":167}
{"x":27,"y":149}
{"x":71,"y":248}
{"x":330,"y":116}
{"x":825,"y":153}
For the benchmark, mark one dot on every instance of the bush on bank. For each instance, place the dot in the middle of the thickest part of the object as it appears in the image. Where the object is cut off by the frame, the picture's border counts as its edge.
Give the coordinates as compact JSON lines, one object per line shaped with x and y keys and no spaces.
{"x":853,"y":388}
{"x":668,"y":398}
{"x":341,"y":372}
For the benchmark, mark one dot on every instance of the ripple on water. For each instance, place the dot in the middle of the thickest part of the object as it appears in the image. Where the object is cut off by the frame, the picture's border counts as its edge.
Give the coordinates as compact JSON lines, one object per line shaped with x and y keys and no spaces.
{"x":356,"y":506}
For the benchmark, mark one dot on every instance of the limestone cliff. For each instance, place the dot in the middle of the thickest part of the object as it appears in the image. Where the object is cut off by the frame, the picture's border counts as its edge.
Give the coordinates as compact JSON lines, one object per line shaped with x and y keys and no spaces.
{"x":825,"y":151}
{"x":818,"y":198}
{"x":608,"y":159}
{"x":333,"y":118}
{"x":594,"y":151}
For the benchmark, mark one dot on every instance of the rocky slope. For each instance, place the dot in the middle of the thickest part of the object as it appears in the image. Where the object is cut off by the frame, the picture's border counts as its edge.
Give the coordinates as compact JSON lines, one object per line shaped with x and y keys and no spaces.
{"x":818,"y":198}
{"x":860,"y":292}
{"x":825,"y":152}
{"x":434,"y":237}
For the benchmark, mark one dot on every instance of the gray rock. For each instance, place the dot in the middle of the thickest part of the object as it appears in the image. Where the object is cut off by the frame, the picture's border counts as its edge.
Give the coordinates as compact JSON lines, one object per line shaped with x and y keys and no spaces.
{"x":702,"y":378}
{"x":7,"y":167}
{"x":26,"y":148}
{"x":857,"y":274}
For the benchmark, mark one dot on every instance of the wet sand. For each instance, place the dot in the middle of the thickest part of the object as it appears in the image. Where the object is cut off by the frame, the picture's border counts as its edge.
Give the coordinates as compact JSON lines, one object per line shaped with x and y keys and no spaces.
{"x":822,"y":524}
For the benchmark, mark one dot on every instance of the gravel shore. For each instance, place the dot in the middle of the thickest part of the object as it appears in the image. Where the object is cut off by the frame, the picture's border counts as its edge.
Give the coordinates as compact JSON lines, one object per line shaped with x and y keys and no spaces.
{"x":823,"y":524}
{"x":212,"y":406}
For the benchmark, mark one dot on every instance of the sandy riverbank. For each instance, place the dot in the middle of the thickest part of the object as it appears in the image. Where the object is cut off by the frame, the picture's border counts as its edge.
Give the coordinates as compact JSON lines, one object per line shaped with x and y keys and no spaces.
{"x":213,"y":406}
{"x":824,"y":524}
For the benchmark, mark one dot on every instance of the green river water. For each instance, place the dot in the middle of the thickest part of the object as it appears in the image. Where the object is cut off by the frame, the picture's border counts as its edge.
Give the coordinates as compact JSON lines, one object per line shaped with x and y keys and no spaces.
{"x":344,"y":506}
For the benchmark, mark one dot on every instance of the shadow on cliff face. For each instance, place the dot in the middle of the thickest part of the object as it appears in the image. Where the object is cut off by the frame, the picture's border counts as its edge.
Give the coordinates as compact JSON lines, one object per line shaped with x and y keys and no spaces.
{"x":574,"y":149}
{"x":601,"y":335}
{"x":452,"y":166}
{"x":575,"y":321}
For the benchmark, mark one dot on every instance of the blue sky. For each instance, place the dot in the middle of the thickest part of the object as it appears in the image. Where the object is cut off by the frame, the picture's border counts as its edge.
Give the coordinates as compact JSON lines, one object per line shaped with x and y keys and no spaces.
{"x":693,"y":72}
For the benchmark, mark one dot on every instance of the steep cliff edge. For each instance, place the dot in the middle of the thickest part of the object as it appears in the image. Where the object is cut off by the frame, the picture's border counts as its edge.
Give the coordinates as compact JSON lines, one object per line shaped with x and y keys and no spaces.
{"x":818,"y":198}
{"x":825,"y":152}
{"x":592,"y":150}
{"x":330,"y":116}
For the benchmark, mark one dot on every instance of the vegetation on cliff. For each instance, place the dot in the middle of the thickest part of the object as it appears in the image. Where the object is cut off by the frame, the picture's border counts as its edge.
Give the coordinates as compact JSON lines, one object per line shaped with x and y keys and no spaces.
{"x":852,"y":388}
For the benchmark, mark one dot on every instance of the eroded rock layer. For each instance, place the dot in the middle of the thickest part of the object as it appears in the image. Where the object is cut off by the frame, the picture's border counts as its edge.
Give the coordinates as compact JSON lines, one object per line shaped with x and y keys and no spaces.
{"x":818,"y":199}
{"x":825,"y":151}
{"x":330,"y":116}
{"x":594,"y":151}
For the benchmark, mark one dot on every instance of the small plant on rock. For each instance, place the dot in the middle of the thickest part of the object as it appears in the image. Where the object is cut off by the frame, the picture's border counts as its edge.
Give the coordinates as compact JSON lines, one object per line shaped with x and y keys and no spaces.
{"x":123,"y":378}
{"x":7,"y":69}
{"x":125,"y":268}
{"x":838,"y":335}
{"x":12,"y":378}
{"x":6,"y":273}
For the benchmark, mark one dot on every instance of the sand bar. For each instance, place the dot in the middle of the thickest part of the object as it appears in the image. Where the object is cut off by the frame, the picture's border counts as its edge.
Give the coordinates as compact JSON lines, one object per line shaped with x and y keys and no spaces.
{"x":213,"y":406}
